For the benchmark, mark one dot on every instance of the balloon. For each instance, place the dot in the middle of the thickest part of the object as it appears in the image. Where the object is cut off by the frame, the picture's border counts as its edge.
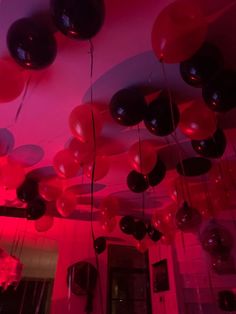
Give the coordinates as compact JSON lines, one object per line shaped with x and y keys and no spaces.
{"x":31,"y":45}
{"x":78,"y":19}
{"x":65,"y":164}
{"x":102,"y":167}
{"x":226,"y":301}
{"x":202,"y":66}
{"x":143,"y":245}
{"x":81,"y":123}
{"x":154,"y":234}
{"x":208,"y":196}
{"x":44,"y":223}
{"x":223,"y":265}
{"x":28,"y":190}
{"x":212,"y":147}
{"x":220,"y":92}
{"x":161,"y":117}
{"x":168,"y":238}
{"x":50,"y":189}
{"x":216,"y":240}
{"x":100,"y":245}
{"x":127,"y":224}
{"x":11,"y":174}
{"x":12,"y":80}
{"x":164,"y":221}
{"x":127,"y":107}
{"x":136,"y":182}
{"x":82,"y":151}
{"x":66,"y":204}
{"x":142,"y":156}
{"x":36,"y":209}
{"x":179,"y":31}
{"x":197,"y":121}
{"x":109,"y":224}
{"x":109,"y":207}
{"x":139,"y":230}
{"x":194,"y":166}
{"x":157,"y":174}
{"x":187,"y":218}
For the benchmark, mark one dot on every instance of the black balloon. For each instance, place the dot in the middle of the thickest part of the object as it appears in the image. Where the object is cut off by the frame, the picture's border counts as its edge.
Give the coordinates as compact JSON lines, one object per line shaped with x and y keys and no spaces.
{"x":137,"y":182}
{"x":194,"y":166}
{"x":127,"y":107}
{"x":154,"y":234}
{"x":161,"y":117}
{"x":157,"y":174}
{"x":187,"y":218}
{"x":140,"y":230}
{"x":36,"y":209}
{"x":100,"y":245}
{"x":28,"y":190}
{"x":216,"y":240}
{"x":78,"y":19}
{"x":226,"y":301}
{"x":202,"y":66}
{"x":220,"y":92}
{"x":127,"y":224}
{"x":213,"y":147}
{"x":31,"y":44}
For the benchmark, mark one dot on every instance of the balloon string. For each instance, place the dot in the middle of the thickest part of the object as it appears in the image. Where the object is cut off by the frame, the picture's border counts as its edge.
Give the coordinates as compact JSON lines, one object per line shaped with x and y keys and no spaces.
{"x":173,"y":124}
{"x":23,"y":298}
{"x":141,"y":168}
{"x":211,"y":287}
{"x":13,"y":247}
{"x":23,"y":99}
{"x":93,"y":170}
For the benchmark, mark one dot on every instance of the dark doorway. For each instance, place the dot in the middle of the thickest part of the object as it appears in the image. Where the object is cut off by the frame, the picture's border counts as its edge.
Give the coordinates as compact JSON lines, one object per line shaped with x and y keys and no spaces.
{"x":128,"y":281}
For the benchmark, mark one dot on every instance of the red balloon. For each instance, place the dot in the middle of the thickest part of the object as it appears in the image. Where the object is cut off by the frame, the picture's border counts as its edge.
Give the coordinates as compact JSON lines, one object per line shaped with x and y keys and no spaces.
{"x":11,"y":174}
{"x":65,"y":164}
{"x":12,"y":80}
{"x":198,"y":122}
{"x":66,"y":204}
{"x":168,"y":237}
{"x":109,"y":207}
{"x":207,"y":196}
{"x":142,"y":157}
{"x":81,"y":123}
{"x":44,"y":223}
{"x":143,"y":245}
{"x":164,"y":220}
{"x":81,"y":151}
{"x":179,"y":31}
{"x":109,"y":225}
{"x":101,"y":168}
{"x":51,"y":188}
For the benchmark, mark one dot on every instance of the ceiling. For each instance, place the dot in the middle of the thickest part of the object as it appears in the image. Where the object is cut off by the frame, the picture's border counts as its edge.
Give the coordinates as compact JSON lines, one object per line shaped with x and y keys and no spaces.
{"x":122,"y":58}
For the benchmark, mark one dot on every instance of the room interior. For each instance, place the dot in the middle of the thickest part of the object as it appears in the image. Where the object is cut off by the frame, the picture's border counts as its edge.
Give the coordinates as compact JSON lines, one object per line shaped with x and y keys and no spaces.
{"x":102,"y":215}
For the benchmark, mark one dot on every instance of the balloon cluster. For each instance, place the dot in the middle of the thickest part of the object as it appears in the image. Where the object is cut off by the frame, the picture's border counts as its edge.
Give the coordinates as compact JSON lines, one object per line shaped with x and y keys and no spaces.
{"x":218,"y":242}
{"x":139,"y":230}
{"x":32,"y":44}
{"x":28,"y":193}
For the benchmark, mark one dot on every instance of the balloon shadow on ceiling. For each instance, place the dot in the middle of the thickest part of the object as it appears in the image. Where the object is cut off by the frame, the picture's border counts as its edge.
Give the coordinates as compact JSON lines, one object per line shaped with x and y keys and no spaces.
{"x":7,"y":142}
{"x":143,"y":71}
{"x":27,"y":155}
